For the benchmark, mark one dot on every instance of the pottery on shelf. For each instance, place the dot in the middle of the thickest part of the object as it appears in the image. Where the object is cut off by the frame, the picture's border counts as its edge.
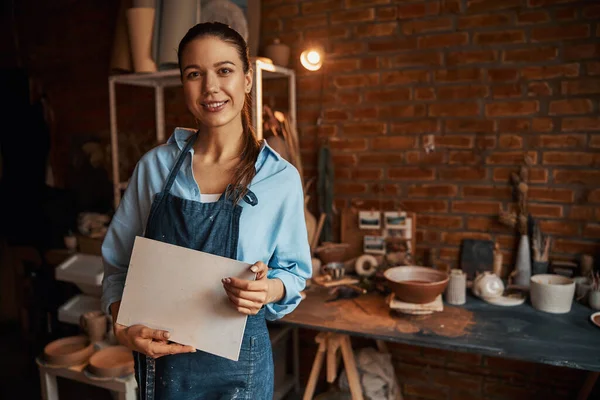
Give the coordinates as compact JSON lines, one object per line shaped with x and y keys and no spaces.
{"x":71,"y":350}
{"x":488,"y":286}
{"x":332,"y":252}
{"x":456,"y":292}
{"x":94,"y":323}
{"x":415,"y":284}
{"x":140,"y":23}
{"x":113,"y":361}
{"x":552,"y":293}
{"x":278,"y":52}
{"x":522,"y":272}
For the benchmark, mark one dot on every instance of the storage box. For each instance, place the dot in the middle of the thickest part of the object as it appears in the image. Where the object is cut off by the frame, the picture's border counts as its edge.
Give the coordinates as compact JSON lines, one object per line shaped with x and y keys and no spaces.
{"x":84,"y":270}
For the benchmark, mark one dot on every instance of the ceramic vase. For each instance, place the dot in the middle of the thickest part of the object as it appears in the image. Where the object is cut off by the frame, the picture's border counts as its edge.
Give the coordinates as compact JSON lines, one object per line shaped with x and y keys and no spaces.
{"x":278,"y":52}
{"x":121,"y":53}
{"x":523,"y":265}
{"x":587,"y":264}
{"x":594,"y":299}
{"x":457,"y":288}
{"x":140,"y":22}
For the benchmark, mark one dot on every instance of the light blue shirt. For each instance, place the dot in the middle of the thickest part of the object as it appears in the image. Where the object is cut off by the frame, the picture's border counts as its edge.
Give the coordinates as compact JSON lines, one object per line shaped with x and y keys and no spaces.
{"x":273,"y":231}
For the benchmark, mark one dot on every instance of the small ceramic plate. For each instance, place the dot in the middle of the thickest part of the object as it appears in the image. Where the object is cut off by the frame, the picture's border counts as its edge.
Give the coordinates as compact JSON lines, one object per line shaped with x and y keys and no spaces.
{"x":595,"y":318}
{"x":506,"y":301}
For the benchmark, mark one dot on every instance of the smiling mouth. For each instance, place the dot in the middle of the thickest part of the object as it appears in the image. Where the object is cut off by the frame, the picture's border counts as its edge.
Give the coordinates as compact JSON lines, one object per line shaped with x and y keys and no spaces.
{"x":214,"y":105}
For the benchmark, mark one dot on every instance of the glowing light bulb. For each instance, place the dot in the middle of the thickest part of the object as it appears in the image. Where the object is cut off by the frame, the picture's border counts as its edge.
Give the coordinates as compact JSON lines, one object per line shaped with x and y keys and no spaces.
{"x":311,"y":59}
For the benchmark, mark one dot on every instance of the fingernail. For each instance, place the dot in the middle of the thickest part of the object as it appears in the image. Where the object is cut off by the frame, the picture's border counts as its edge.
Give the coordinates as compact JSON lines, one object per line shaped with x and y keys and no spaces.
{"x":167,"y":335}
{"x":254,"y":269}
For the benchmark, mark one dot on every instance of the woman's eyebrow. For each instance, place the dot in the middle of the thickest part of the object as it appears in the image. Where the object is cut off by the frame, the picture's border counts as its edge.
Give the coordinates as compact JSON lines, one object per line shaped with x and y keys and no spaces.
{"x":217,"y":64}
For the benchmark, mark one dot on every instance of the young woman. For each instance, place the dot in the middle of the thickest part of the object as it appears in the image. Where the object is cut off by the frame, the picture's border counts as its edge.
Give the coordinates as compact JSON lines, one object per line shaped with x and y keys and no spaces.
{"x":220,"y":191}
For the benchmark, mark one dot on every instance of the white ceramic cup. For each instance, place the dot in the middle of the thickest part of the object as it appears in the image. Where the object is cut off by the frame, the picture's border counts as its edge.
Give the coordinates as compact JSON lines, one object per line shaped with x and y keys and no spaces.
{"x":552,"y":293}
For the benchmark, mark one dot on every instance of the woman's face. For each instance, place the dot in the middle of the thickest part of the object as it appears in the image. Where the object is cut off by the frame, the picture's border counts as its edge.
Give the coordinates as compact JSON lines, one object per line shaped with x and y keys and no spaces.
{"x":214,"y":83}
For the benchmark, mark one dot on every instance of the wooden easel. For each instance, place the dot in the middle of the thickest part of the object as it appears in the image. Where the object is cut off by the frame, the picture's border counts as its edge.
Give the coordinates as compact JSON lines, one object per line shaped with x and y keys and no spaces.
{"x":329,"y":343}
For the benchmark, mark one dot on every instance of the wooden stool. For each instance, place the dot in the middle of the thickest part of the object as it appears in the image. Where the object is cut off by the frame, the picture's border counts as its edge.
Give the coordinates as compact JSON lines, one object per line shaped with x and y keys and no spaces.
{"x":330,"y":343}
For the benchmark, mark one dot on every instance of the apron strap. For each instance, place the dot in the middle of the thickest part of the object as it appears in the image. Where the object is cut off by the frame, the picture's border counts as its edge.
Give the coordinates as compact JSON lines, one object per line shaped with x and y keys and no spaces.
{"x":180,"y":159}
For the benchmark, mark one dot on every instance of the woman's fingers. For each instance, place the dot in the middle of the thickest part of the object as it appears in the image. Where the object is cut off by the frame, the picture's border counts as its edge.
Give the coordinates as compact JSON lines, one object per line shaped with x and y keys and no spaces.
{"x":240,"y":302}
{"x":157,"y":334}
{"x":243,"y":284}
{"x":260,"y":269}
{"x":159,"y":349}
{"x":258,"y":297}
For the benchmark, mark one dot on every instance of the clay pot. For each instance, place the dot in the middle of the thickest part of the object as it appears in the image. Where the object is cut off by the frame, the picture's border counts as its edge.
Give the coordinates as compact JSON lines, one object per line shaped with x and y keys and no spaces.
{"x":114,"y":361}
{"x":68,"y":351}
{"x":552,"y":293}
{"x":331,"y":252}
{"x":418,"y":285}
{"x":94,"y":324}
{"x":278,"y":52}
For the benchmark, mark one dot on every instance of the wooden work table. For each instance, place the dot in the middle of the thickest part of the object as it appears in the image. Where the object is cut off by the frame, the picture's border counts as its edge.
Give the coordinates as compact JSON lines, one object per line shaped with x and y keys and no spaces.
{"x":521,"y":332}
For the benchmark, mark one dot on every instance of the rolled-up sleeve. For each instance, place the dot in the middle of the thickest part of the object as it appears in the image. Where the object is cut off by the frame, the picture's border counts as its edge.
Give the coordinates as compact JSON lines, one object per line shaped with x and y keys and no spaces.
{"x":127,"y":223}
{"x":291,"y":261}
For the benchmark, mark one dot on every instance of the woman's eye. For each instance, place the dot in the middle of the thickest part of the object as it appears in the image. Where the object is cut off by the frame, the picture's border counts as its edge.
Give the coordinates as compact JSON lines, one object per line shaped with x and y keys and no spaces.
{"x":225,"y":71}
{"x":193,"y":74}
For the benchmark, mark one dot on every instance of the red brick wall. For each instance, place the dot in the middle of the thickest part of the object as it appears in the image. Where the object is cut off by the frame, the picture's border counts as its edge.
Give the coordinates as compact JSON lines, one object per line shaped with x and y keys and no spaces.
{"x":491,"y":80}
{"x":376,"y":119}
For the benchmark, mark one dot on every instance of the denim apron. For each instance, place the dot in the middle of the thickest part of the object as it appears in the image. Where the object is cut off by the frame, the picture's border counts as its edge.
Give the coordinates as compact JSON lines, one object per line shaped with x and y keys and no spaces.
{"x":211,"y":228}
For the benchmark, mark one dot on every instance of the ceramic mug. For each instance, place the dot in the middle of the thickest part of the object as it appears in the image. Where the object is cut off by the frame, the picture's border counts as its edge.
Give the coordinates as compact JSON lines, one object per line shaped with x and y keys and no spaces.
{"x":488,"y":285}
{"x":94,"y":323}
{"x":582,"y":288}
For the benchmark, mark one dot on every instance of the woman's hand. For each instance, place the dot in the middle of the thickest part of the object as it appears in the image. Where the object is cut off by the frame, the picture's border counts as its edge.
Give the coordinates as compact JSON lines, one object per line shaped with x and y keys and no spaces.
{"x":151,"y":342}
{"x":249,"y":297}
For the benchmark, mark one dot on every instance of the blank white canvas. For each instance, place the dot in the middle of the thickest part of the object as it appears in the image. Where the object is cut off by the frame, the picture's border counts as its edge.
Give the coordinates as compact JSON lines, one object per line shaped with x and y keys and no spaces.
{"x":177,"y":289}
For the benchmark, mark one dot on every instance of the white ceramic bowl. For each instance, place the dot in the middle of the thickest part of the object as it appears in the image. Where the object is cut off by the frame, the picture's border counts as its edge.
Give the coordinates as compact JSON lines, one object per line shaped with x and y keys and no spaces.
{"x":552,"y":293}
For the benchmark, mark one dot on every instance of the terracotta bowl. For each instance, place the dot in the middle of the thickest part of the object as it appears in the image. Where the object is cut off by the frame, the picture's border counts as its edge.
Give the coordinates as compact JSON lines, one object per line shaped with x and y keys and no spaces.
{"x":113,"y":361}
{"x":417,"y":285}
{"x":331,"y":252}
{"x":68,"y":351}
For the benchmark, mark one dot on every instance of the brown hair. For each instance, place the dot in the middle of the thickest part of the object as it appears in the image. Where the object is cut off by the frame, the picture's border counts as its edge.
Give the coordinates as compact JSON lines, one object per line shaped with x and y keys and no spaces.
{"x":245,"y":170}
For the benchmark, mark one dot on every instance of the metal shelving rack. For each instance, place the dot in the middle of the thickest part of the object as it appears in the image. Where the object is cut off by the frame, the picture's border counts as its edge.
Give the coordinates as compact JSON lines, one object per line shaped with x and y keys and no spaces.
{"x":170,"y":78}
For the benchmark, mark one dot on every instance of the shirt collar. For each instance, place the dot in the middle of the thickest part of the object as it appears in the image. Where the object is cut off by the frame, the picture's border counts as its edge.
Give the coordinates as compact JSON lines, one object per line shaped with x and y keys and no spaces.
{"x":181,"y":136}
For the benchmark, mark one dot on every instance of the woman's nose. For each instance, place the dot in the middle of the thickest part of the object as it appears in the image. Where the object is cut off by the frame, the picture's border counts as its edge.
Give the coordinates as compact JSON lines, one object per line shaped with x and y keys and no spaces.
{"x":211,"y":83}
